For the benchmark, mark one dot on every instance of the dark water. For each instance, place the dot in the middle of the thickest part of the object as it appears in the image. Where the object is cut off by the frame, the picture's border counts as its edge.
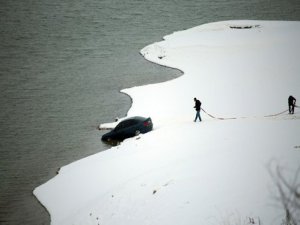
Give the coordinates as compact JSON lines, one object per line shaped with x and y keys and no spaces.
{"x":62,"y":64}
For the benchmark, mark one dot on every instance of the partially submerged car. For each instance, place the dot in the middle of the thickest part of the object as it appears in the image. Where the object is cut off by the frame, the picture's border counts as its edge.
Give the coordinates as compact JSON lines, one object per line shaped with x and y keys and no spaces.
{"x":129,"y":128}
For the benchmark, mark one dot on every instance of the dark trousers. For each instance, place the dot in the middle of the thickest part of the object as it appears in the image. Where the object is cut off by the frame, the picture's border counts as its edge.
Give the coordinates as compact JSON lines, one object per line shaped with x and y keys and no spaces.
{"x":197,"y":116}
{"x":291,"y":109}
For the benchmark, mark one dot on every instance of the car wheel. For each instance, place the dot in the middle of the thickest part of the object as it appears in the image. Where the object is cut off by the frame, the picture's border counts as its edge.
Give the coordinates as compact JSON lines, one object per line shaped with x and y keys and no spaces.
{"x":137,"y":133}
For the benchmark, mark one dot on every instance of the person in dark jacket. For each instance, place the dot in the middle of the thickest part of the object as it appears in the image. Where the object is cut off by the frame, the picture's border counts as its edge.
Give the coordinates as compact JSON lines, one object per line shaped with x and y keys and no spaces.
{"x":198,"y":108}
{"x":292,"y":103}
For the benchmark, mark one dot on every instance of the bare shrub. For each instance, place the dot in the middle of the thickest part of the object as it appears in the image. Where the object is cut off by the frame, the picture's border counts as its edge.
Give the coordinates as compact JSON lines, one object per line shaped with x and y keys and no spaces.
{"x":288,"y":193}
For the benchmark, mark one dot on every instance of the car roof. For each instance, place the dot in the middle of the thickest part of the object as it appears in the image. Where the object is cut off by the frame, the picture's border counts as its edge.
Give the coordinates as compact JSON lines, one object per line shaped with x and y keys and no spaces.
{"x":135,"y":118}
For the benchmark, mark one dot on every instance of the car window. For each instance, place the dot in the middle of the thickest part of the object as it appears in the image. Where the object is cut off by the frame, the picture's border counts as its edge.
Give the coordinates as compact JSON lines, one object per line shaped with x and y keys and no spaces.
{"x":124,"y":124}
{"x":127,"y":123}
{"x":119,"y":126}
{"x":133,"y":122}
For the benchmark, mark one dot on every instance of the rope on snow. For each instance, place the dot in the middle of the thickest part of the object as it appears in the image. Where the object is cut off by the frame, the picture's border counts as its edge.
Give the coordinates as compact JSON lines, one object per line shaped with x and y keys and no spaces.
{"x":233,"y":118}
{"x":218,"y":118}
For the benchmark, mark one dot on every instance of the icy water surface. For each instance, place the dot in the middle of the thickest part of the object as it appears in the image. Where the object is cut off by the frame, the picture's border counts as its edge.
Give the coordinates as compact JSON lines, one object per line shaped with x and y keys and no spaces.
{"x":62,"y":64}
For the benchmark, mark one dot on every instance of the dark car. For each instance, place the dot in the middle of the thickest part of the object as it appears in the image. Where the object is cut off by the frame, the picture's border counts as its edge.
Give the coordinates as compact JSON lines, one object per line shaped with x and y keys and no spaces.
{"x":129,"y":128}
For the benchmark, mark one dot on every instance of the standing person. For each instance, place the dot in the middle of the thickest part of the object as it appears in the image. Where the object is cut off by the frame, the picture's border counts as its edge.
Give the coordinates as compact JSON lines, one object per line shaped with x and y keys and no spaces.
{"x":292,"y":103}
{"x":198,"y":108}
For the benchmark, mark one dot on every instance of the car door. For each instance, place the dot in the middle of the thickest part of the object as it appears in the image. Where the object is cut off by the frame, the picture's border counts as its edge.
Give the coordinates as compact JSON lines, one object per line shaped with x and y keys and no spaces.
{"x":122,"y":131}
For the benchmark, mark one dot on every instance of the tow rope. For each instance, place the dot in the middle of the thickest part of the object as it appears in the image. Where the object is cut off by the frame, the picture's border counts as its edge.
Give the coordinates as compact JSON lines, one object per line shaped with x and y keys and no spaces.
{"x":277,"y":114}
{"x":233,"y":118}
{"x":218,"y":118}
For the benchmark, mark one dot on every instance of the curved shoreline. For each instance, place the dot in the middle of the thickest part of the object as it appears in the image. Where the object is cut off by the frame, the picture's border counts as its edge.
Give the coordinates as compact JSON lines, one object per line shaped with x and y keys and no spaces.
{"x":165,"y":66}
{"x":111,"y":125}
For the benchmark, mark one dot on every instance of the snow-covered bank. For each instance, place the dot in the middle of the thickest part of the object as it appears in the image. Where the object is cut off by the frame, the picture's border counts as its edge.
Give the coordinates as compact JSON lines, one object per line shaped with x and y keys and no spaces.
{"x":214,"y":172}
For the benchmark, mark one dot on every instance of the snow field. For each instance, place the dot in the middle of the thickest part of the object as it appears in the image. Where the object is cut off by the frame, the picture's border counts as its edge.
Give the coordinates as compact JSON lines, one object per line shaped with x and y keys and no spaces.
{"x":213,"y":172}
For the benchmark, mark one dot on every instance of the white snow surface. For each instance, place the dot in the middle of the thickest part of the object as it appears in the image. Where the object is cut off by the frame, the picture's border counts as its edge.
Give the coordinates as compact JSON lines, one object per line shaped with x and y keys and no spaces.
{"x":213,"y":172}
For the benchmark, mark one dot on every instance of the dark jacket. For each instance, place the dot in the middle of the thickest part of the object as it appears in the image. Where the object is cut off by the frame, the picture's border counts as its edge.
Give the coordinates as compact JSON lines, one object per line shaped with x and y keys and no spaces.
{"x":292,"y":100}
{"x":197,"y":105}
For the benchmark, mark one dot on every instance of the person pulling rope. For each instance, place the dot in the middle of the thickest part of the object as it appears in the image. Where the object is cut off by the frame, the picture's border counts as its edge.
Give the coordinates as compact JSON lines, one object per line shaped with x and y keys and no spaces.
{"x":292,"y":104}
{"x":291,"y":101}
